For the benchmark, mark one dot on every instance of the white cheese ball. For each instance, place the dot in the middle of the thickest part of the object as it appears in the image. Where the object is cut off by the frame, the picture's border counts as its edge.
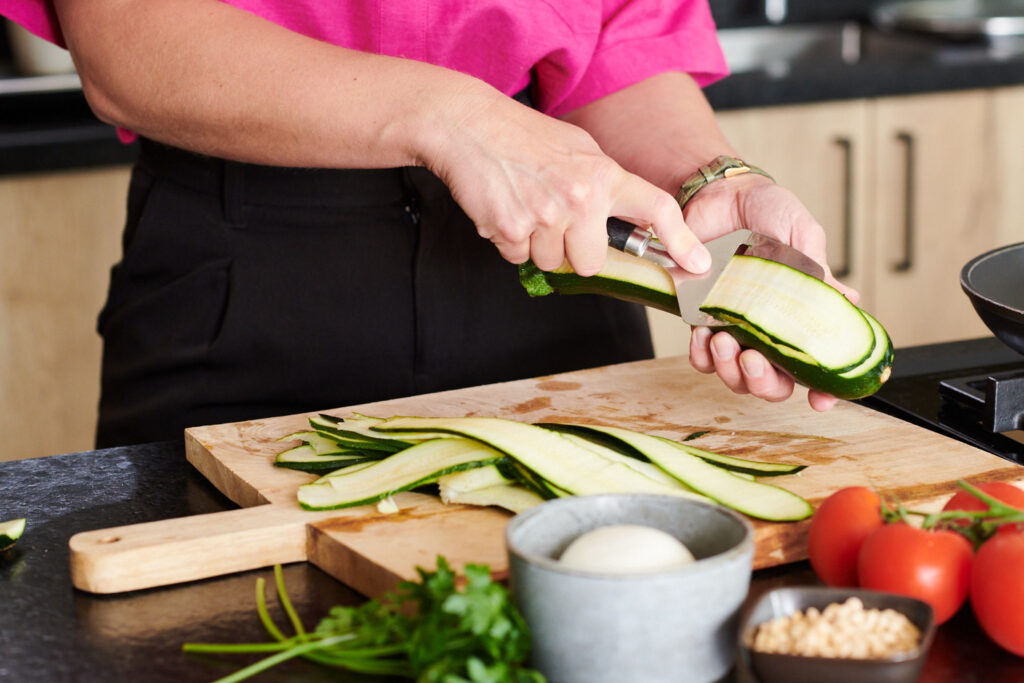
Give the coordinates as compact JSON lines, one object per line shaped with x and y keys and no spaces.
{"x":624,"y":549}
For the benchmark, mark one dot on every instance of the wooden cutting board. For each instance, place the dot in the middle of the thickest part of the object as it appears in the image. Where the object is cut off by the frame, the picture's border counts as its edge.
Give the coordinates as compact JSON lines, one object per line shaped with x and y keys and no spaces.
{"x":370,"y":551}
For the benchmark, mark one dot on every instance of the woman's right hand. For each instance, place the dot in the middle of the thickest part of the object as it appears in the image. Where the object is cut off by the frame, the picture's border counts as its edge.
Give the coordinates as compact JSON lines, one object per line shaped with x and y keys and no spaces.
{"x":542,"y":189}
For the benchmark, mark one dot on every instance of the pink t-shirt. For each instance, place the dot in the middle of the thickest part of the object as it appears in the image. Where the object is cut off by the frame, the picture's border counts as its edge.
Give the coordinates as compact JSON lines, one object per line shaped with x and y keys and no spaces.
{"x":576,"y":51}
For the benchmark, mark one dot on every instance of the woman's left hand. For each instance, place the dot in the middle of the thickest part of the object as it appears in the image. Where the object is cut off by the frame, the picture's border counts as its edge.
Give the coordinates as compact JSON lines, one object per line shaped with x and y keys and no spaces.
{"x":754,"y":202}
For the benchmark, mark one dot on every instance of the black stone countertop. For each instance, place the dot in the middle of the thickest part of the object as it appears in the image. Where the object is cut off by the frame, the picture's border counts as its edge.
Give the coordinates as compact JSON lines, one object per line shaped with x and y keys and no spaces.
{"x":876,"y":64}
{"x":51,"y":632}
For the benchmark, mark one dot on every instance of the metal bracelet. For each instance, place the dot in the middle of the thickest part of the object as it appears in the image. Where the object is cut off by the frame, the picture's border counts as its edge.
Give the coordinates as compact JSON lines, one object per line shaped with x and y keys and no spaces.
{"x":722,"y":167}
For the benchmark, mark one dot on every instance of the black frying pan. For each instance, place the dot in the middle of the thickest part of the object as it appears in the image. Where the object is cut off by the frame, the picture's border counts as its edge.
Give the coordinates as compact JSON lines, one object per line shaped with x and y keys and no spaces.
{"x":994,"y":282}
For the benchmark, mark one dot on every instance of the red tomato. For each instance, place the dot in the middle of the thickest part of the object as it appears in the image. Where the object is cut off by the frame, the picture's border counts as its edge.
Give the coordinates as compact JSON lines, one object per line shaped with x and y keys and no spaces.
{"x":933,"y":566}
{"x":1007,"y":493}
{"x":997,"y":590}
{"x":838,"y":528}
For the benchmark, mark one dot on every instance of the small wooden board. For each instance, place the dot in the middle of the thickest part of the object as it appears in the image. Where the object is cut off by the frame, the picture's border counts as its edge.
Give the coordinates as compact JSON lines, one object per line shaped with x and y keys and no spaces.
{"x":371,"y":551}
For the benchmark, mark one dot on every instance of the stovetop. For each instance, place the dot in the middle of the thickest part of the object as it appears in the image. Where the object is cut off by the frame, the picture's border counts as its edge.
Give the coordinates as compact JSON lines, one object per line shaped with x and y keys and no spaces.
{"x":915,"y":392}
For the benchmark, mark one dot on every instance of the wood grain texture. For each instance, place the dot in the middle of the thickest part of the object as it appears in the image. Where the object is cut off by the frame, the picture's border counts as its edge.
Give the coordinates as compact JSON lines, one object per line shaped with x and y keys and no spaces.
{"x":370,"y":551}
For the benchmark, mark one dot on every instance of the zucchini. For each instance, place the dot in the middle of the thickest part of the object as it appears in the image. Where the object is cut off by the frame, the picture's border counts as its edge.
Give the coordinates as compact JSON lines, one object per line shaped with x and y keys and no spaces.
{"x":802,"y":325}
{"x":623,"y":277}
{"x":757,"y":468}
{"x":319,"y":443}
{"x":306,"y":459}
{"x":471,"y":480}
{"x":564,"y":464}
{"x":415,"y":466}
{"x":10,"y":532}
{"x":792,"y":310}
{"x":744,"y":495}
{"x":643,"y":466}
{"x":358,"y":436}
{"x":512,"y":498}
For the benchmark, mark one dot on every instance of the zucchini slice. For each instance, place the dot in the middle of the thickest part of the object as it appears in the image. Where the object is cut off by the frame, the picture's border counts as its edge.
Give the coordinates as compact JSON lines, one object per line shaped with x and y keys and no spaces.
{"x":566,"y":465}
{"x":752,"y":498}
{"x":644,"y":466}
{"x":813,"y":333}
{"x":306,"y":459}
{"x":512,"y":498}
{"x":321,"y":444}
{"x":623,"y":277}
{"x":415,"y":466}
{"x":10,"y":532}
{"x":792,"y":309}
{"x":471,"y":480}
{"x":757,"y":468}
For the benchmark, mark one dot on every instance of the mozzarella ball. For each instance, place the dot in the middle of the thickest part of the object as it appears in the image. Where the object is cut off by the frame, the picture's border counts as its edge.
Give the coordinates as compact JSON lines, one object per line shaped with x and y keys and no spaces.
{"x":624,"y":549}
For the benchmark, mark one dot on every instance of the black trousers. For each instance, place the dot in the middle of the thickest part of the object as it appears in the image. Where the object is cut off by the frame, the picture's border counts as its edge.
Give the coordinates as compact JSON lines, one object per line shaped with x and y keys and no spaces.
{"x":247,"y":291}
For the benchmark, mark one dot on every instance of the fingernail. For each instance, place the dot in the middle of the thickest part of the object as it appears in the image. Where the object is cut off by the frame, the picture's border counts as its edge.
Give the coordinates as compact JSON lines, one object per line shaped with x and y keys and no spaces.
{"x":699,"y":260}
{"x":722,"y":348}
{"x":700,"y":335}
{"x":752,"y":364}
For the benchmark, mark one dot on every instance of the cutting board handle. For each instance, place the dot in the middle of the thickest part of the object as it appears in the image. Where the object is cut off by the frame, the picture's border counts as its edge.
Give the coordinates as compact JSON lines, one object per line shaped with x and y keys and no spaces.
{"x":173,"y":551}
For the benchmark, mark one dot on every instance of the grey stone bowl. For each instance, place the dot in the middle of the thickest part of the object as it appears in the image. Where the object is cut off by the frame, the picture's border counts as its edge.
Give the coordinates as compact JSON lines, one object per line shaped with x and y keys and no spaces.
{"x":658,"y":627}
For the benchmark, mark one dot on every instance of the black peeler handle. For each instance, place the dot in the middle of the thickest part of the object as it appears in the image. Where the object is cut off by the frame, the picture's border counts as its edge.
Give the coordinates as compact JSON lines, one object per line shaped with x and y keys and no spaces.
{"x":627,"y":237}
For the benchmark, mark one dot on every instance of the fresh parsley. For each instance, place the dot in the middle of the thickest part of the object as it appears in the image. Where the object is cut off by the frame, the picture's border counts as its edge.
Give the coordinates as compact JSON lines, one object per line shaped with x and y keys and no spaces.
{"x":427,"y":630}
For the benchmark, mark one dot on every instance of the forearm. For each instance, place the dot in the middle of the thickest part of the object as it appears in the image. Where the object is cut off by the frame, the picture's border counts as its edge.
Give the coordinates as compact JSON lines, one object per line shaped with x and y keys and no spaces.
{"x":662,"y":129}
{"x":211,"y":78}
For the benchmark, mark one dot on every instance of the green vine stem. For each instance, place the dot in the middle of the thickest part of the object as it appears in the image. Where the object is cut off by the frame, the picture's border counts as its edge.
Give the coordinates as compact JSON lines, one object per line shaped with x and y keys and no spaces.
{"x":976,"y":525}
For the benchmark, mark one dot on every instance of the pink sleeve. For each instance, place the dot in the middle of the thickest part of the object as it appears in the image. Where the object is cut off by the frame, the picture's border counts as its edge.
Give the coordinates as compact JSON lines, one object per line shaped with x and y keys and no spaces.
{"x":38,"y":16}
{"x":638,"y":39}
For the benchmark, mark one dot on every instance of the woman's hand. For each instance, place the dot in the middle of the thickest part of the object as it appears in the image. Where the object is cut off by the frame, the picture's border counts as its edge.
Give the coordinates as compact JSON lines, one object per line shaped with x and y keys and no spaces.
{"x":754,"y":202}
{"x":542,"y":189}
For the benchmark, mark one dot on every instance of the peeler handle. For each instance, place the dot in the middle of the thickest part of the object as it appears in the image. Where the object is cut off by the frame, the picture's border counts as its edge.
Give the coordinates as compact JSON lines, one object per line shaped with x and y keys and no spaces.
{"x":627,"y":237}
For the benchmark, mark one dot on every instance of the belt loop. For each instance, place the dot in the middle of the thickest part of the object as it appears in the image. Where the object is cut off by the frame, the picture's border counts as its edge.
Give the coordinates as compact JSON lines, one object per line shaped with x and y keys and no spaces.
{"x":233,"y":197}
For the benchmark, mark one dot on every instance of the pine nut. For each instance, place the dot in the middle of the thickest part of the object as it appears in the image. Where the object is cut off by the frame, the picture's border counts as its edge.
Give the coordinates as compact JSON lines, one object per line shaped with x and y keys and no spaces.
{"x":844,"y":630}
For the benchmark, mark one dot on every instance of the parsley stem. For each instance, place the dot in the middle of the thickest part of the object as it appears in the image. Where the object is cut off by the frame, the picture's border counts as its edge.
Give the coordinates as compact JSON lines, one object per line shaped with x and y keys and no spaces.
{"x":286,"y":602}
{"x":233,"y":648}
{"x":273,"y":660}
{"x":261,"y":609}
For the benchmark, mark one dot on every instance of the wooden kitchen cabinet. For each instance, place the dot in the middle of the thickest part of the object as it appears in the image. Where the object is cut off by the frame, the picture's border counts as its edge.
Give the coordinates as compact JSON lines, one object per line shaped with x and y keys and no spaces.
{"x":908,"y":189}
{"x":59,"y":235}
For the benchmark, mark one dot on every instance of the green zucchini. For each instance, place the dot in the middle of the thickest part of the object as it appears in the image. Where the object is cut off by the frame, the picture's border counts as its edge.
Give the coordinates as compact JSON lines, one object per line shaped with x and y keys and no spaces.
{"x":622,"y":277}
{"x":477,"y":478}
{"x":757,"y":468}
{"x":10,"y":532}
{"x":415,"y":466}
{"x":792,"y":310}
{"x":306,"y":459}
{"x":643,"y":466}
{"x":802,"y":325}
{"x":357,"y":435}
{"x":564,"y":464}
{"x":512,"y":498}
{"x":752,"y":498}
{"x":319,"y":443}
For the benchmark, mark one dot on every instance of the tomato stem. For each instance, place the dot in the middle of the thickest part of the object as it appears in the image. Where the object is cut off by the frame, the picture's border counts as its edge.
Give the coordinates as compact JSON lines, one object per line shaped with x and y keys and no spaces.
{"x":977,"y":525}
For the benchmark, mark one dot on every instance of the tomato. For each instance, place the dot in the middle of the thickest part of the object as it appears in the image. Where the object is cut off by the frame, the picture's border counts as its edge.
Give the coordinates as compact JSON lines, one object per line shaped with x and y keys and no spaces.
{"x":997,"y":590}
{"x":1007,"y":493}
{"x":839,"y":526}
{"x":933,"y":566}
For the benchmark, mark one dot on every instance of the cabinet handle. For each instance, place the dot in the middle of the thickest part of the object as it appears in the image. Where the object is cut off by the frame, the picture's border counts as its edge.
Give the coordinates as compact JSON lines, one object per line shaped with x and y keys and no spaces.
{"x":843,"y":268}
{"x":908,"y":204}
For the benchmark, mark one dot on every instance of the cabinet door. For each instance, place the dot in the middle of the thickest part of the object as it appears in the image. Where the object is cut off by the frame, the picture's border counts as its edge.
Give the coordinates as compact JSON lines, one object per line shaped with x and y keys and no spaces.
{"x":59,"y":235}
{"x":936,"y":207}
{"x":821,"y":153}
{"x":1008,"y":168}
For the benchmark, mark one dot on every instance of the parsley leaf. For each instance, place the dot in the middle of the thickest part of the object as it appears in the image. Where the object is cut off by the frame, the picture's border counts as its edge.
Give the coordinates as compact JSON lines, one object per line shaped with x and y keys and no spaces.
{"x":428,"y":630}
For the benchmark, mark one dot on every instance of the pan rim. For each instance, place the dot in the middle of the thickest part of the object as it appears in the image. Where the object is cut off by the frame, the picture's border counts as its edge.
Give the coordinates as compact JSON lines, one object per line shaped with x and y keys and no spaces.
{"x":972,"y":291}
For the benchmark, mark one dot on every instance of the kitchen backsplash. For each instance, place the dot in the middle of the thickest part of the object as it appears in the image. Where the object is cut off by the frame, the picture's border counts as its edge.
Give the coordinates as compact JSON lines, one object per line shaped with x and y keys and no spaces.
{"x":734,"y":13}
